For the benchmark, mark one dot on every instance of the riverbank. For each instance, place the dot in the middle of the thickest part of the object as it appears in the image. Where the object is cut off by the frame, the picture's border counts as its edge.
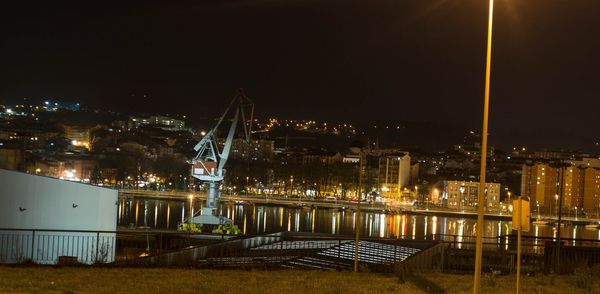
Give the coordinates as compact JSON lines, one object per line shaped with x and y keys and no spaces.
{"x":178,"y":280}
{"x":340,"y":205}
{"x":307,"y":202}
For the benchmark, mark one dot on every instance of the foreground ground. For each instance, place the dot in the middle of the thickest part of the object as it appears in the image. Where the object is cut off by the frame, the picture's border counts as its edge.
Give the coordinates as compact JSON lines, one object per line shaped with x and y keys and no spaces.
{"x":170,"y":280}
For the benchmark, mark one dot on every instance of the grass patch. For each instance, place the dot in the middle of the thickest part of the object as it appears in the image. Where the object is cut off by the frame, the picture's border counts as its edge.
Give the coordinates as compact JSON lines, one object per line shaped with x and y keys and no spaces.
{"x":180,"y":280}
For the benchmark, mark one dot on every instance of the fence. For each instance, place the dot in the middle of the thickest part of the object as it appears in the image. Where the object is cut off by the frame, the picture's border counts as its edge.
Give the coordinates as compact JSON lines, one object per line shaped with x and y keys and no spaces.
{"x":538,"y":254}
{"x":296,"y":250}
{"x":46,"y":246}
{"x":88,"y":247}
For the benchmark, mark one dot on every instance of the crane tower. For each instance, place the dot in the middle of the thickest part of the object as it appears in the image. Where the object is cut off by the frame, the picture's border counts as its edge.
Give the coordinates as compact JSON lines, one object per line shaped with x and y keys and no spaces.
{"x":209,"y":164}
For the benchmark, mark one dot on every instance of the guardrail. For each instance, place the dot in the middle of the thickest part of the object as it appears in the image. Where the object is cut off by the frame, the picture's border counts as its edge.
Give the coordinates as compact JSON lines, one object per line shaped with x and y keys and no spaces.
{"x":295,"y":250}
{"x":539,"y":254}
{"x":45,"y":246}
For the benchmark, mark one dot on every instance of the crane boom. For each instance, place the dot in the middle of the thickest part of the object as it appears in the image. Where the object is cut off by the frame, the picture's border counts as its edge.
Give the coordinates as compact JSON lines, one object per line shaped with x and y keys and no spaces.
{"x":209,"y":164}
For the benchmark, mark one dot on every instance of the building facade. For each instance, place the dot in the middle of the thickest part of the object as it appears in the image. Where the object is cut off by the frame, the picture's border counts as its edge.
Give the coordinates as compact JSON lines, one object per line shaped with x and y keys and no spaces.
{"x":255,"y":150}
{"x":580,"y":182}
{"x":464,"y":195}
{"x":540,"y":182}
{"x":163,"y":122}
{"x":393,"y":172}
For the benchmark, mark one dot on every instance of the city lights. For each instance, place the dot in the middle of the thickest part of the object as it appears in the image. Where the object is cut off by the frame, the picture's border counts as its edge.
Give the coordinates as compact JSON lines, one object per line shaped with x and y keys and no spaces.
{"x":364,"y":153}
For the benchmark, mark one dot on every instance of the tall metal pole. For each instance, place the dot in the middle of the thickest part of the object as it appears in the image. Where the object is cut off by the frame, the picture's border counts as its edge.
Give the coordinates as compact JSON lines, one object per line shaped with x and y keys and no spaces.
{"x":357,"y":225}
{"x":520,"y":214}
{"x":560,"y":204}
{"x":481,"y":200}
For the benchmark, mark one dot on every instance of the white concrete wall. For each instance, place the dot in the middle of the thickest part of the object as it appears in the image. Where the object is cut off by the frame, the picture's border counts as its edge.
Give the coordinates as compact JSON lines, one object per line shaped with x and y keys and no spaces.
{"x":39,"y":203}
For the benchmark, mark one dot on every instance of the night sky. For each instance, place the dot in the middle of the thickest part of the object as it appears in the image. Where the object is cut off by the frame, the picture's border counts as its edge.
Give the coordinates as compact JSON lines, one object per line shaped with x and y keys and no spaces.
{"x":335,"y":60}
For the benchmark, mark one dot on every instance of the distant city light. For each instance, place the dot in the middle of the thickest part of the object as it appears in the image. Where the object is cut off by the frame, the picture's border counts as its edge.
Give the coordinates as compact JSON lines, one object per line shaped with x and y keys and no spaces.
{"x":81,"y":144}
{"x":9,"y":111}
{"x":69,"y":175}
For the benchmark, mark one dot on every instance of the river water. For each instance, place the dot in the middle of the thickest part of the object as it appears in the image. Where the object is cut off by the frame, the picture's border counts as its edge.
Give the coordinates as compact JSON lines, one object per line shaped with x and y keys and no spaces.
{"x":259,"y":219}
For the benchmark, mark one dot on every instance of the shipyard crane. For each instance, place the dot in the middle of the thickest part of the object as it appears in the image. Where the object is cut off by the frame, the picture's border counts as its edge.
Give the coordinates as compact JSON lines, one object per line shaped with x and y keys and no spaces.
{"x":209,"y":164}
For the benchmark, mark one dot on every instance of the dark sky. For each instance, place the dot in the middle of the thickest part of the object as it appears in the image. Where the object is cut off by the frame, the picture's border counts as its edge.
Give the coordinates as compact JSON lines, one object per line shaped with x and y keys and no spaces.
{"x":413,"y":60}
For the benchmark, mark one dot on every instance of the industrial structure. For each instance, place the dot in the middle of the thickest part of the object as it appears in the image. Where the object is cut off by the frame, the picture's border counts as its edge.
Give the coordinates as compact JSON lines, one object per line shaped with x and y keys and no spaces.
{"x":209,"y":164}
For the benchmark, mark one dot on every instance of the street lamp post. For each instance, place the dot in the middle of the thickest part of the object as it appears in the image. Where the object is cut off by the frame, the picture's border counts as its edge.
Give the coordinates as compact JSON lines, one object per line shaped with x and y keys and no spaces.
{"x":357,"y":226}
{"x":417,"y":194}
{"x":462,"y":197}
{"x":247,"y":184}
{"x":481,"y":201}
{"x":191,"y":197}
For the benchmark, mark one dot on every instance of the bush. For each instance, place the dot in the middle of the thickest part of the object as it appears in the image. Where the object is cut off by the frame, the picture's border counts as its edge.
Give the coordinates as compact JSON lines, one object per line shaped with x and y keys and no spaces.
{"x":402,"y":273}
{"x":489,"y":280}
{"x":364,"y":268}
{"x":584,"y":279}
{"x":595,"y":271}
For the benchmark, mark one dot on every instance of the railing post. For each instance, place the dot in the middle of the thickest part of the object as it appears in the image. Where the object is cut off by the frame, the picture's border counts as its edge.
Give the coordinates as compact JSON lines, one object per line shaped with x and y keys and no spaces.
{"x":32,"y":244}
{"x":160,"y":243}
{"x":339,"y":253}
{"x":97,"y":244}
{"x":443,"y":262}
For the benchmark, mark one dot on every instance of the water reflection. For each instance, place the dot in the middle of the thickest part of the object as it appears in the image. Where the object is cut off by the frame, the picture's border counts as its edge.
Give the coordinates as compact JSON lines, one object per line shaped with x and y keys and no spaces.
{"x":256,"y":219}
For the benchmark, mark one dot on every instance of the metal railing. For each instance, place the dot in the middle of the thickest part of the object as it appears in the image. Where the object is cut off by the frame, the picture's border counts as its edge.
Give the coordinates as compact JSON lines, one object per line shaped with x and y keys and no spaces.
{"x":47,"y":246}
{"x":539,"y":254}
{"x":298,"y":250}
{"x":293,"y":250}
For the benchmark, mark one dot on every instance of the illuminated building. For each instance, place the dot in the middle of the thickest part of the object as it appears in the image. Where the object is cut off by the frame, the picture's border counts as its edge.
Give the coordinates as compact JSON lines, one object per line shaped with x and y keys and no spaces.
{"x":78,"y":135}
{"x":394,"y":172}
{"x":164,"y":122}
{"x":540,"y":182}
{"x":463,"y":195}
{"x":255,"y":150}
{"x":581,"y":186}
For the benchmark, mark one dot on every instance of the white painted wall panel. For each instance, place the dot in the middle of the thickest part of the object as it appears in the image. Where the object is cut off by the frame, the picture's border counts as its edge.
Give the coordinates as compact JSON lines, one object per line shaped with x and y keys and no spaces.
{"x":41,"y":203}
